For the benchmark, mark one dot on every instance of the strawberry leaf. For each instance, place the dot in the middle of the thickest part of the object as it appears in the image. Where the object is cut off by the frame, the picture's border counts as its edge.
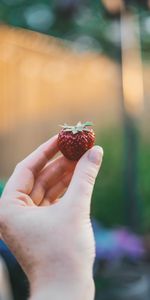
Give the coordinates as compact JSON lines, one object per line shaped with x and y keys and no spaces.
{"x":79,"y":127}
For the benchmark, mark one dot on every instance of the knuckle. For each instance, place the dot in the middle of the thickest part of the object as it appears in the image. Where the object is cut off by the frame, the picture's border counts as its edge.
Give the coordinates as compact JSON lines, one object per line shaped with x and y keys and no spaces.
{"x":19,"y":195}
{"x":23,"y":197}
{"x":18,"y":166}
{"x":89,"y":178}
{"x":85,"y":185}
{"x":44,"y":153}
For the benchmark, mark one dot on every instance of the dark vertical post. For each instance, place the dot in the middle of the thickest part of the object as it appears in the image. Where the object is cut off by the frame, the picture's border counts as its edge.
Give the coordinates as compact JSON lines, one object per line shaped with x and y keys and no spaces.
{"x":132,"y":102}
{"x":132,"y":212}
{"x":132,"y":88}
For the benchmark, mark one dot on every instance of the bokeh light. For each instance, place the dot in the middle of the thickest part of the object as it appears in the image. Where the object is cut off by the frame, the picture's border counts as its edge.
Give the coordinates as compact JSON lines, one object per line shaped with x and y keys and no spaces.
{"x":68,"y":61}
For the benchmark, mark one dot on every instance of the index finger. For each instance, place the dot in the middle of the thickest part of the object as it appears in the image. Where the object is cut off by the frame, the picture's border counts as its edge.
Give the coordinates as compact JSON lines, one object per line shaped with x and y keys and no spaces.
{"x":40,"y":157}
{"x":25,"y":172}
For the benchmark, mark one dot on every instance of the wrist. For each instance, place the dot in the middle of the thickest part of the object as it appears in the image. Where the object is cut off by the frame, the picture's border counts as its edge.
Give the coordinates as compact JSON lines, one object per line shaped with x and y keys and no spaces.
{"x":63,"y":289}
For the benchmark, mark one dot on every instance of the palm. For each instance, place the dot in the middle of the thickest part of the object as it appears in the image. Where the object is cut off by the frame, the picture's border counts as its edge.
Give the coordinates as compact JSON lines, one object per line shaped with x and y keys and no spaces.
{"x":36,"y":234}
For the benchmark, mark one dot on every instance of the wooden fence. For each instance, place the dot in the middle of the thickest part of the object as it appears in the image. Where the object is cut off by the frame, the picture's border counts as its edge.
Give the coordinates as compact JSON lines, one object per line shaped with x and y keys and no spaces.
{"x":44,"y":83}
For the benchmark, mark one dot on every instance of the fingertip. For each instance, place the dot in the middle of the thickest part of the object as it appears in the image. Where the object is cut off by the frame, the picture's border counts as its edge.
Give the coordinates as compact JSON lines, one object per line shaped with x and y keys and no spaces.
{"x":95,"y":154}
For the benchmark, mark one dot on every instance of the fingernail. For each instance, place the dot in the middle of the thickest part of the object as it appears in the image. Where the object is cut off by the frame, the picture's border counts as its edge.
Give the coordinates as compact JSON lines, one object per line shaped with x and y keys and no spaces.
{"x":95,"y":154}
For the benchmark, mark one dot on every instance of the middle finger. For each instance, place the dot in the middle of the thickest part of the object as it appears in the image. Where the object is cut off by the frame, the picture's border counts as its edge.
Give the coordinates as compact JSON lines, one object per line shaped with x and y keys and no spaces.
{"x":50,"y":176}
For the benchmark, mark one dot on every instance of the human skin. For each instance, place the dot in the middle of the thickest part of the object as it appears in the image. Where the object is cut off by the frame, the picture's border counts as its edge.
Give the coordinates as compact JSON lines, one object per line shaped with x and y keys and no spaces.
{"x":45,"y":221}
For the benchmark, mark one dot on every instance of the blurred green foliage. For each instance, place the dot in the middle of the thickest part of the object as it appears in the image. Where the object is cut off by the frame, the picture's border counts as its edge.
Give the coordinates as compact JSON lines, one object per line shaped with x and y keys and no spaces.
{"x":108,"y":196}
{"x":144,"y":179}
{"x":1,"y":187}
{"x":107,"y":204}
{"x":84,"y":22}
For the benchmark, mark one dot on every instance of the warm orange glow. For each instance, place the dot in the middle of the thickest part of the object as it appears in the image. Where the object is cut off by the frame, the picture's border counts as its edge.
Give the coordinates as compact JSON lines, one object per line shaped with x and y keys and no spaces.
{"x":43,"y":84}
{"x":132,"y":66}
{"x":133,"y":89}
{"x":114,"y":6}
{"x":40,"y":77}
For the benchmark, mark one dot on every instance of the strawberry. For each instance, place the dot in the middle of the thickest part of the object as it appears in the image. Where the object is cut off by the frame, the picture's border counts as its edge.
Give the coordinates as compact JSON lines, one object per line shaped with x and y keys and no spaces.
{"x":74,"y":141}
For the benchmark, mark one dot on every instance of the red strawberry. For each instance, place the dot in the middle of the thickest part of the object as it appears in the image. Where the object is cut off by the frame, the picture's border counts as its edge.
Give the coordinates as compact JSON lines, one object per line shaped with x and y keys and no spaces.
{"x":74,"y":141}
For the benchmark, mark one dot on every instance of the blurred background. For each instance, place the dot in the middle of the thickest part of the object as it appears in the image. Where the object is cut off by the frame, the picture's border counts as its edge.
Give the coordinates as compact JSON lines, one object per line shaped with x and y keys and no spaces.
{"x":78,"y":60}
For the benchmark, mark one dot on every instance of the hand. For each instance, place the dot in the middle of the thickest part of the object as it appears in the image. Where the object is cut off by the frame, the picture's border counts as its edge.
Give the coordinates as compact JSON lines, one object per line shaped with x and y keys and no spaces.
{"x":50,"y":236}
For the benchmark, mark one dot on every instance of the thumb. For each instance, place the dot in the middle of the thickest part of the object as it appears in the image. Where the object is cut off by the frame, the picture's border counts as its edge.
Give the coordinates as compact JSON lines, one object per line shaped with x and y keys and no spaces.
{"x":81,"y":187}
